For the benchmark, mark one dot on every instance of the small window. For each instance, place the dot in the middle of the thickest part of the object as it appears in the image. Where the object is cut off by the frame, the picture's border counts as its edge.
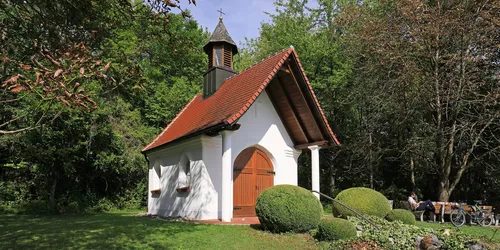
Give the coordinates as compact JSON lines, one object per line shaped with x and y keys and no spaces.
{"x":184,"y":173}
{"x":218,"y":55}
{"x":187,"y":171}
{"x":154,"y":176}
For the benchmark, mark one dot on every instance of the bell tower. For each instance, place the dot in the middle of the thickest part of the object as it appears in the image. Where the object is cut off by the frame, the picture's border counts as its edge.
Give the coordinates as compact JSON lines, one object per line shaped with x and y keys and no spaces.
{"x":220,"y":49}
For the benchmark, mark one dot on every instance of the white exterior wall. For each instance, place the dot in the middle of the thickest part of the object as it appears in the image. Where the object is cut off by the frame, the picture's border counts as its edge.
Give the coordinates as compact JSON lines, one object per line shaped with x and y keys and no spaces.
{"x":261,"y":127}
{"x":201,"y":203}
{"x":212,"y":155}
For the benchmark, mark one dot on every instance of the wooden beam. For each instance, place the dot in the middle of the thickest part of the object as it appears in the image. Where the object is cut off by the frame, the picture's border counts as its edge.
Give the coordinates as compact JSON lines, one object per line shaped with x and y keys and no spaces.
{"x":222,"y":56}
{"x":233,"y":127}
{"x":306,"y":145}
{"x":295,"y":116}
{"x":284,"y":68}
{"x":305,"y":100}
{"x":280,"y":112}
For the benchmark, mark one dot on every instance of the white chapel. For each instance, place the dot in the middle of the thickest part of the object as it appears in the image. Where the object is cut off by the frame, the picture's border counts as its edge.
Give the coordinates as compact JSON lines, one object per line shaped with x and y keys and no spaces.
{"x":244,"y":133}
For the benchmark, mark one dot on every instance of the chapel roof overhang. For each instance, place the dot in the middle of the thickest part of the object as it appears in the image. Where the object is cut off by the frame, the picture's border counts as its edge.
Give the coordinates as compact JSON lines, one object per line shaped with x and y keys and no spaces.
{"x":284,"y":80}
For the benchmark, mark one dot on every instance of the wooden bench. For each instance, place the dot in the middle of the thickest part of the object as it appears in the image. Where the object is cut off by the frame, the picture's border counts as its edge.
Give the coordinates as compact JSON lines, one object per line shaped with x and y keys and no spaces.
{"x":442,"y":209}
{"x":419,"y":214}
{"x":445,"y":208}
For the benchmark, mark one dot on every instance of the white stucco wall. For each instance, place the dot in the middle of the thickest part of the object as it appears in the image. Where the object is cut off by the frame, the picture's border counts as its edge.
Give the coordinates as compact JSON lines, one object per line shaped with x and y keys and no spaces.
{"x":201,"y":202}
{"x":261,"y":127}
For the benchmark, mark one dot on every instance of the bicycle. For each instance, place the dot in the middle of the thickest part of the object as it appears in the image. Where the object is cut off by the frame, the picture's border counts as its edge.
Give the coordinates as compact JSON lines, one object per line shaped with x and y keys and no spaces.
{"x":482,"y":217}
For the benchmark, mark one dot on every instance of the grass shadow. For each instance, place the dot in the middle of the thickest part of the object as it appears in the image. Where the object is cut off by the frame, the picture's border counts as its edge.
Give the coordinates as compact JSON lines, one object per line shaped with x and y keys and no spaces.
{"x":107,"y":230}
{"x":257,"y":227}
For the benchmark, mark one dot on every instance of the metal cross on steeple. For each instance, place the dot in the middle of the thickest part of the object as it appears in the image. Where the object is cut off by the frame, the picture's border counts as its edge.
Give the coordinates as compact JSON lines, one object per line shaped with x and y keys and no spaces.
{"x":221,"y":13}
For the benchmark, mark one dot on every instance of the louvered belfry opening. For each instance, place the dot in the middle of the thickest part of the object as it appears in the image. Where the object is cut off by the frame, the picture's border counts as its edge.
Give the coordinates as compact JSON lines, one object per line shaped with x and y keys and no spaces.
{"x":220,"y":50}
{"x":221,"y":55}
{"x":210,"y":60}
{"x":228,"y":56}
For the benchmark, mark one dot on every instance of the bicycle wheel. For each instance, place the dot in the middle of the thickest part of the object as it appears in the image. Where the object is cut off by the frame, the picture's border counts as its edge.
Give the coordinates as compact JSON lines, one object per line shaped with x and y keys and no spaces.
{"x":486,"y":218}
{"x":457,"y":218}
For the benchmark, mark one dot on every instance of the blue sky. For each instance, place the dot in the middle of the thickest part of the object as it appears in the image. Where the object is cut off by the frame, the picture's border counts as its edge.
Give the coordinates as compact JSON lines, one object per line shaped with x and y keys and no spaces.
{"x":242,"y":19}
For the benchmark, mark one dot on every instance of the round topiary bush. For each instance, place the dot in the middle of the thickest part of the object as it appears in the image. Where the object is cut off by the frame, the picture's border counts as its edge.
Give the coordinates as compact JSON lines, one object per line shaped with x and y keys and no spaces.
{"x":287,"y":208}
{"x":363,"y":200}
{"x":402,"y":215}
{"x":335,"y":229}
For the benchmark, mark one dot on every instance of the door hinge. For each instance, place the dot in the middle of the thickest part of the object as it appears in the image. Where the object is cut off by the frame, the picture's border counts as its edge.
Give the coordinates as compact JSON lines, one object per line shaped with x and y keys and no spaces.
{"x":271,"y":172}
{"x":236,"y":208}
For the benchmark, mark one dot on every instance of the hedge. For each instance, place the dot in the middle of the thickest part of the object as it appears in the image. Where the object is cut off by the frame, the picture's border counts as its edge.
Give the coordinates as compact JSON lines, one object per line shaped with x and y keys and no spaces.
{"x":288,"y":208}
{"x":363,"y":200}
{"x":402,"y":215}
{"x":335,"y":229}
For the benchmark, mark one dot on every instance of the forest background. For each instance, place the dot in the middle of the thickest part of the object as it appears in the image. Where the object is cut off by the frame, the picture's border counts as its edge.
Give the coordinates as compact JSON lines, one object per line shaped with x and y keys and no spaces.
{"x":411,"y":89}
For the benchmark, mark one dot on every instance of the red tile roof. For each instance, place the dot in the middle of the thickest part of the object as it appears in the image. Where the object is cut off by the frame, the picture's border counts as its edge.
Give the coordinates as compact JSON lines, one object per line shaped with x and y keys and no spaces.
{"x":228,"y":103}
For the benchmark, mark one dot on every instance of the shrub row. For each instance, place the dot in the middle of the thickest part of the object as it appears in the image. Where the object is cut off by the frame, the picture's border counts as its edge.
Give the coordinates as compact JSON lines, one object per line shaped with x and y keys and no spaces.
{"x":287,"y":208}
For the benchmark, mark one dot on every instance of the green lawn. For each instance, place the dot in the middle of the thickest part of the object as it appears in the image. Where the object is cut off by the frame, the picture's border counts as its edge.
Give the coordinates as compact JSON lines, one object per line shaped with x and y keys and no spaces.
{"x":123,"y":230}
{"x":489,"y":233}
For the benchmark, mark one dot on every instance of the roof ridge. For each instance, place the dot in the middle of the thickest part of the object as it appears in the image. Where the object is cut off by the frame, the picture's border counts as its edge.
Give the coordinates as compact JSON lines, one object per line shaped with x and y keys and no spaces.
{"x":256,"y":63}
{"x":170,"y":124}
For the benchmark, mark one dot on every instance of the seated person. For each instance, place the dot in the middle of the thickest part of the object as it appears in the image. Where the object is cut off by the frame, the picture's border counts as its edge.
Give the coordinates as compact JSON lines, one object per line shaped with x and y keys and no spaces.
{"x":423,"y":205}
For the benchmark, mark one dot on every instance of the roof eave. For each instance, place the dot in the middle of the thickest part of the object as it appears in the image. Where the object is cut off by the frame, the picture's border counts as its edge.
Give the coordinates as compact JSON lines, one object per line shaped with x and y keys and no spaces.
{"x":332,"y":138}
{"x":212,"y":129}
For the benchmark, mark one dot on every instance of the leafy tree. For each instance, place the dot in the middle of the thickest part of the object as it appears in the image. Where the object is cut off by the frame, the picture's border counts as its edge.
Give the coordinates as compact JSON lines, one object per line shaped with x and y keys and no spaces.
{"x":61,"y":32}
{"x":137,"y":74}
{"x":438,"y":59}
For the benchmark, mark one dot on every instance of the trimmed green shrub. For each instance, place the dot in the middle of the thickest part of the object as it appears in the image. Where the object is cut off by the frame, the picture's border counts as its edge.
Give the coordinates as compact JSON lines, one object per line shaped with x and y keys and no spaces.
{"x":402,"y":215}
{"x":287,"y":208}
{"x":363,"y":200}
{"x":335,"y":229}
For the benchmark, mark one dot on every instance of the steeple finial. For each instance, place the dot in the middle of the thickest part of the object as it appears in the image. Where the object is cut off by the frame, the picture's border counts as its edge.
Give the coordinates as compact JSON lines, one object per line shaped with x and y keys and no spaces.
{"x":221,"y":13}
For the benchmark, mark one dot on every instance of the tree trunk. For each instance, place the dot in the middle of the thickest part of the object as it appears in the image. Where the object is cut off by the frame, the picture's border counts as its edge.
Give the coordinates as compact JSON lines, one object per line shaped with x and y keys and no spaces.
{"x":412,"y":174}
{"x":53,"y":191}
{"x":444,"y":194}
{"x":332,"y":183}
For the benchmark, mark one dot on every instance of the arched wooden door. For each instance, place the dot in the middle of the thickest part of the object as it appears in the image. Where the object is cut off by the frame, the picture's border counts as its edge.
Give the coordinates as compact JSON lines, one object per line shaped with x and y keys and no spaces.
{"x":253,"y":172}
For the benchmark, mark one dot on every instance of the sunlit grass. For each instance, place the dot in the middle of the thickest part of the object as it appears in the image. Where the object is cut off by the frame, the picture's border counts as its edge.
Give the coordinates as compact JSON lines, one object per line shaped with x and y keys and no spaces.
{"x":125,"y":230}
